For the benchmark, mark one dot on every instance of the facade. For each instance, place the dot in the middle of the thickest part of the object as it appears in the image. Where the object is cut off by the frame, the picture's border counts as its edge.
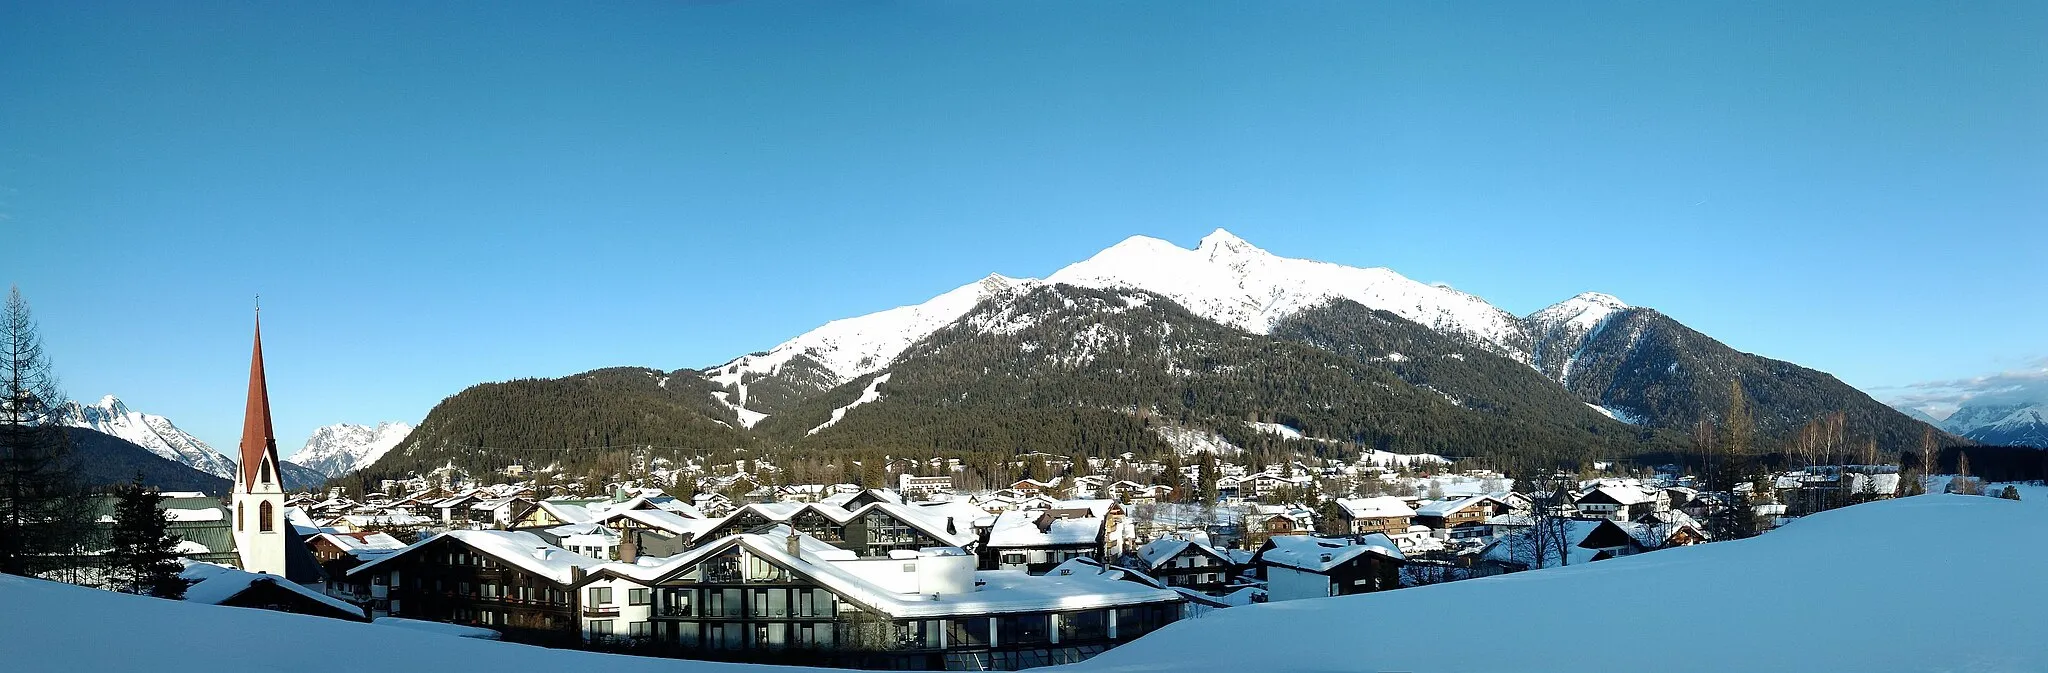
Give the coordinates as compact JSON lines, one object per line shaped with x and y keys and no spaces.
{"x":910,"y":484}
{"x":1461,"y":518}
{"x":1306,"y":566}
{"x":1266,"y":521}
{"x":1037,"y":540}
{"x":1382,"y":514}
{"x":874,"y":529}
{"x":514,"y":583}
{"x":783,"y":596}
{"x":257,"y":499}
{"x":1183,"y":563}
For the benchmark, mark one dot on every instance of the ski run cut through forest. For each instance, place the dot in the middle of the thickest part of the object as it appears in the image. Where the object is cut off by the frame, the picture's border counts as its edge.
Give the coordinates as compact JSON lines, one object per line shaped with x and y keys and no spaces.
{"x":1842,"y":590}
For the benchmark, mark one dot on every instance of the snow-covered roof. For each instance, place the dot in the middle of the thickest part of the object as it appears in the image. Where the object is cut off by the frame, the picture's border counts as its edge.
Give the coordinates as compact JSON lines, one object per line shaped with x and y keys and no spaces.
{"x":525,"y":550}
{"x":1040,"y":528}
{"x":998,"y":591}
{"x":202,"y":514}
{"x":1623,"y":495}
{"x":1320,"y":554}
{"x":1451,"y":506}
{"x":664,"y":520}
{"x":216,"y":584}
{"x":1378,"y":507}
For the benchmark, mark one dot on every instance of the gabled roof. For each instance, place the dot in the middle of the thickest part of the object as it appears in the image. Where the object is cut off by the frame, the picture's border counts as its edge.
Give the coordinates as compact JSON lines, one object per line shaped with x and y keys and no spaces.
{"x":1157,"y":551}
{"x":1027,"y":529}
{"x":1443,"y":508}
{"x":1378,"y":507}
{"x":217,"y":584}
{"x":524,"y":550}
{"x":935,"y":526}
{"x":1616,"y":495}
{"x":998,"y":591}
{"x":1321,"y":554}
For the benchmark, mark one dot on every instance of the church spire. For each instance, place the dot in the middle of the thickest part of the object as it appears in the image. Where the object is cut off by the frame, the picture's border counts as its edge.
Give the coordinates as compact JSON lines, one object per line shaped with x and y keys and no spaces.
{"x":258,"y":441}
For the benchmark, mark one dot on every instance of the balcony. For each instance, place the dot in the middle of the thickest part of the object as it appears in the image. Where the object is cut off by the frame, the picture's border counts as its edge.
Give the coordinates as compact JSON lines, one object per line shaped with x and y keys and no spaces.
{"x":600,"y":612}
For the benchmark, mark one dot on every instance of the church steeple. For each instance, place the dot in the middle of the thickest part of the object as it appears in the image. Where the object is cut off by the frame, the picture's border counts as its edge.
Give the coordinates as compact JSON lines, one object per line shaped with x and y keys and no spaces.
{"x":261,"y":530}
{"x":259,"y":443}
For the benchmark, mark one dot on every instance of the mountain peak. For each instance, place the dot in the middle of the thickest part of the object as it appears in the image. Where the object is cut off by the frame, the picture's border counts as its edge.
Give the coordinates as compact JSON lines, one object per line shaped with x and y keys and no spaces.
{"x":1599,"y":299}
{"x":112,"y":405}
{"x":1221,"y":239}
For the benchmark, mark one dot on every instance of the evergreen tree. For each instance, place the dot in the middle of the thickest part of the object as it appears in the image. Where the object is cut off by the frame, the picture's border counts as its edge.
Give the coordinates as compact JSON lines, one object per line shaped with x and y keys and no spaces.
{"x":2010,"y":493}
{"x":44,"y":509}
{"x":143,"y":558}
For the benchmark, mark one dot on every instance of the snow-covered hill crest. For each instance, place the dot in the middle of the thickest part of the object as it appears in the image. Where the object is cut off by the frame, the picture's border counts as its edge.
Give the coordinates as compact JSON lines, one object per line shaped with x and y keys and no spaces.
{"x":149,"y":431}
{"x":1233,"y":282}
{"x":343,"y":448}
{"x":1558,"y":333}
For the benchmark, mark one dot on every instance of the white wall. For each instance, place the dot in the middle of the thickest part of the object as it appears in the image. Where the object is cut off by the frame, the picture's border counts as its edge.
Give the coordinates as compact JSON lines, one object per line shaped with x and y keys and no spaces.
{"x":1287,"y":584}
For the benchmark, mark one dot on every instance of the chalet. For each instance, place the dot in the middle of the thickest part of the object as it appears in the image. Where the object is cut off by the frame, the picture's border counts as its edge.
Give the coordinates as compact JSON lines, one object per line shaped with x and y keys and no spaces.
{"x":1673,"y":528}
{"x":1036,"y":540}
{"x":1621,"y":503}
{"x":782,"y":596}
{"x":1266,"y":484}
{"x":511,"y":582}
{"x":1266,"y":521}
{"x":1034,"y":486}
{"x":1382,"y":514}
{"x":652,"y":532}
{"x":1461,"y":518}
{"x":221,"y":585}
{"x":1306,"y":566}
{"x":498,"y":512}
{"x":454,"y":510}
{"x":1184,"y":563}
{"x":1580,"y":541}
{"x":855,"y":499}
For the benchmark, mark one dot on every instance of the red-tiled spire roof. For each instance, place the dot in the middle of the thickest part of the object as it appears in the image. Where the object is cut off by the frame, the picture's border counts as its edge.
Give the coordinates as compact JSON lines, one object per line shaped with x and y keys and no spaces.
{"x":258,"y":441}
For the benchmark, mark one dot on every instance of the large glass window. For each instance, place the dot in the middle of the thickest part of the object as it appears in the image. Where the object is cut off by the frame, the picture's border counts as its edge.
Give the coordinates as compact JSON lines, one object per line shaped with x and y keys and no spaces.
{"x":600,"y":595}
{"x":636,"y":596}
{"x":1023,"y":629}
{"x":967,"y":632}
{"x":1080,"y":626}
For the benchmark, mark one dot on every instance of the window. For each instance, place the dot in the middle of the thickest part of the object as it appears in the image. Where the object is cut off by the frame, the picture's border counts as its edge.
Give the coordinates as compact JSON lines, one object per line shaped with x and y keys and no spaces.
{"x":638,"y":630}
{"x":1079,"y":626}
{"x":967,"y":632}
{"x":1023,"y":629}
{"x":265,"y":516}
{"x":601,"y":596}
{"x":601,"y":627}
{"x":238,"y":516}
{"x":636,"y":597}
{"x":266,"y":470}
{"x":1013,"y":559}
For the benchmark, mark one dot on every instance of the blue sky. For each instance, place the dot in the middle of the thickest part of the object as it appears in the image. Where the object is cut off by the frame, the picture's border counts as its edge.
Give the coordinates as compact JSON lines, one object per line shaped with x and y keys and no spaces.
{"x":430,"y":195}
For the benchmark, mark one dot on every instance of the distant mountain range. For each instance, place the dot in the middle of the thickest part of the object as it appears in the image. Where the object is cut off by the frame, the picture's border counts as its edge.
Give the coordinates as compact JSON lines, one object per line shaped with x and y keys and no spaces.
{"x":105,"y":460}
{"x":159,"y":436}
{"x":342,"y":448}
{"x":1146,"y":334}
{"x":2001,"y":423}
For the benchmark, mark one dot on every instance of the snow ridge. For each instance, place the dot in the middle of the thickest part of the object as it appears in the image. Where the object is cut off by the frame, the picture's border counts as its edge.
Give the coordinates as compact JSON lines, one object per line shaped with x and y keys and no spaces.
{"x":343,"y":448}
{"x":1230,"y":281}
{"x":853,"y":347}
{"x":149,"y":431}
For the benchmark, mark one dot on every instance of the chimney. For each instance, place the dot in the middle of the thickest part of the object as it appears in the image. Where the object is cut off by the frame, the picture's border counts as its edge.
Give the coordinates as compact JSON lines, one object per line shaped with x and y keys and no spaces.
{"x":629,"y":548}
{"x":540,"y":552}
{"x":795,"y":545}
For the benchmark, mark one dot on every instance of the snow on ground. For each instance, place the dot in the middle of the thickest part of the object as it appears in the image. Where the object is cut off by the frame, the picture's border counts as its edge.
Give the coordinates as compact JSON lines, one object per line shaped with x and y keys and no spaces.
{"x":1190,"y":441}
{"x":50,"y":627}
{"x":1821,"y":594}
{"x":873,"y":392}
{"x":1375,"y":456}
{"x":1615,"y":414}
{"x":748,"y":417}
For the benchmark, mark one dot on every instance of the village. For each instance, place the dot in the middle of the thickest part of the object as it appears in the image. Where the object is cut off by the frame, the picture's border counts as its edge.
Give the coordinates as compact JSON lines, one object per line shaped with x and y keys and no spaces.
{"x":922,"y":575}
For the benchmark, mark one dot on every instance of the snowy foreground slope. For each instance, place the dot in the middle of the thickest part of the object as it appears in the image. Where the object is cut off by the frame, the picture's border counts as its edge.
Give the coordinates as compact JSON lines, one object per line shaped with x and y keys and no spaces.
{"x":1930,"y":583}
{"x":1831,"y":592}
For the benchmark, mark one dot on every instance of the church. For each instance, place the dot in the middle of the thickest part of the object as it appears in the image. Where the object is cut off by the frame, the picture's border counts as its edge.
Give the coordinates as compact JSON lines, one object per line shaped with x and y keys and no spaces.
{"x":264,"y":541}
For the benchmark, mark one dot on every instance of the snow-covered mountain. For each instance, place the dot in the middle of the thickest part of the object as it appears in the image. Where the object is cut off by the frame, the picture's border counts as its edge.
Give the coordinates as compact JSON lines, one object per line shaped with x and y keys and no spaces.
{"x":1223,"y":278}
{"x":342,"y":448}
{"x":1233,"y":282}
{"x":2024,"y":424}
{"x":149,"y":431}
{"x":1559,"y":332}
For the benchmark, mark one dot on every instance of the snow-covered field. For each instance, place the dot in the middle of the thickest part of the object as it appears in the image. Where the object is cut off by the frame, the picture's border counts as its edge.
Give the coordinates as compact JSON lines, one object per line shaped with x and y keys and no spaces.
{"x":1931,"y":583}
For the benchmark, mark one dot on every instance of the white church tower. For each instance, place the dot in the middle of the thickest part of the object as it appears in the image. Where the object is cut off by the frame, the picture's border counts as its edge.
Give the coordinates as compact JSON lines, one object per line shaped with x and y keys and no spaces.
{"x":260,"y":526}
